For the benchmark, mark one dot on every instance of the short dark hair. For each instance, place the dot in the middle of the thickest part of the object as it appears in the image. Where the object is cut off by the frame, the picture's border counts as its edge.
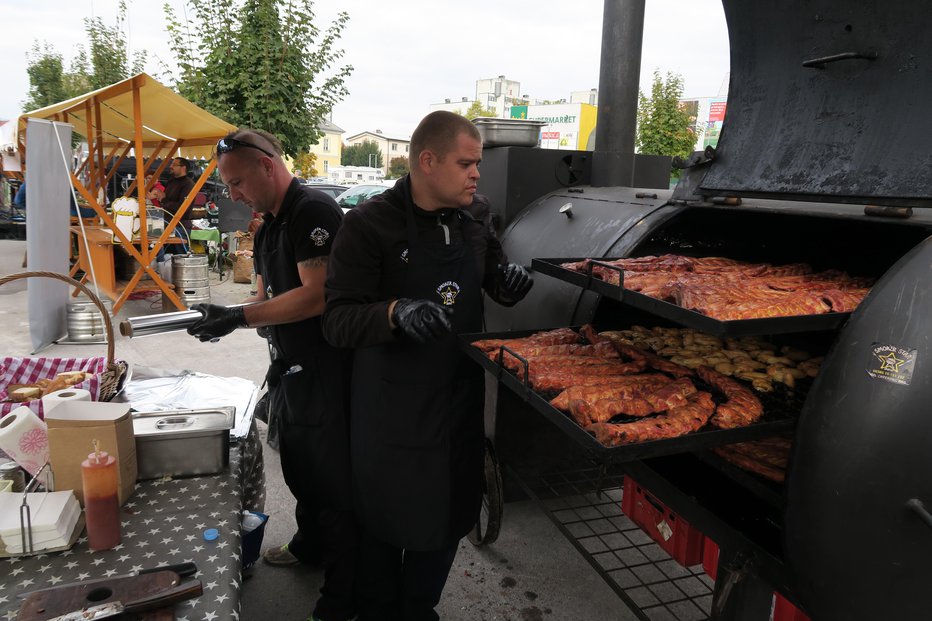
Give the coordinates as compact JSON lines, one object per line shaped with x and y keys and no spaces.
{"x":257,"y":137}
{"x":437,"y":132}
{"x":184,"y":162}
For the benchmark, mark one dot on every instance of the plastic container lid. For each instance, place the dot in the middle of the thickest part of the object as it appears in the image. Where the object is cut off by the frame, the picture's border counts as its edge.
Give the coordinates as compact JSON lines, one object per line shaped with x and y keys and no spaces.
{"x":210,"y":534}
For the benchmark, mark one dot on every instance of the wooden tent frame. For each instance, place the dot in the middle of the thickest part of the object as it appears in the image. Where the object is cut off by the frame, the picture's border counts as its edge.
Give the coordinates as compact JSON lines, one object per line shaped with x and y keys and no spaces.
{"x":100,"y":140}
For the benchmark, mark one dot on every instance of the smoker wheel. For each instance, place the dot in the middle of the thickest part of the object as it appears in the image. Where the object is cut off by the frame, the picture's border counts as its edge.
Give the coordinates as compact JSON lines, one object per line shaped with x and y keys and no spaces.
{"x":490,"y":516}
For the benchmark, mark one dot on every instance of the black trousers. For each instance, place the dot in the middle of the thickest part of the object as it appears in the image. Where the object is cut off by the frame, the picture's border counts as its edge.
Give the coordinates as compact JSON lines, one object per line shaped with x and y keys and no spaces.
{"x":401,"y":585}
{"x":315,"y":465}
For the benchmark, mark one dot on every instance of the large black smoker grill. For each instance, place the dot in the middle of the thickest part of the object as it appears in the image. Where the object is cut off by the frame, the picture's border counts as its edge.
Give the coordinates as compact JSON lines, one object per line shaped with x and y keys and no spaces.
{"x":825,"y":159}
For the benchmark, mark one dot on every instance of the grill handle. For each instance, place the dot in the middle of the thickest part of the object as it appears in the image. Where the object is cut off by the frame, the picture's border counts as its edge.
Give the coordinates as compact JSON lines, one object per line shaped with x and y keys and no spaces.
{"x":915,"y":505}
{"x":819,"y":63}
{"x":523,"y":361}
{"x":609,"y":266}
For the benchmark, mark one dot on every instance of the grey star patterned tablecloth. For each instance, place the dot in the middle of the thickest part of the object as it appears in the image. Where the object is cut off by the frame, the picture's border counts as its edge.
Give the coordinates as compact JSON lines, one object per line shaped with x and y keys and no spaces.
{"x":163,"y":523}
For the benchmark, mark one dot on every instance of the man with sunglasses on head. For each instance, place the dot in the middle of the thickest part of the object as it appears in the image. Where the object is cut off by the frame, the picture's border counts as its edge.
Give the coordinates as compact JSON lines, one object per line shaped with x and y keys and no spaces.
{"x":308,"y":378}
{"x":407,"y":273}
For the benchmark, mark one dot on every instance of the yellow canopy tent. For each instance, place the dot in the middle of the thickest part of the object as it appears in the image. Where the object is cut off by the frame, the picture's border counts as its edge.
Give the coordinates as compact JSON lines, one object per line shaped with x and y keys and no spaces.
{"x":144,"y":116}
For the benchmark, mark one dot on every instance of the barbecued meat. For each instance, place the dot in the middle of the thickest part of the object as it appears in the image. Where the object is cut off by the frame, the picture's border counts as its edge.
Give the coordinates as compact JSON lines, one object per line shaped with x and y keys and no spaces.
{"x":559,"y":376}
{"x":749,"y":463}
{"x":652,"y":361}
{"x":528,"y":351}
{"x":667,"y":397}
{"x":844,"y":301}
{"x":553,"y":337}
{"x":767,"y":458}
{"x":730,"y":290}
{"x":741,"y":408}
{"x":676,"y":422}
{"x":548,"y":381}
{"x":624,"y":387}
{"x":771,"y":451}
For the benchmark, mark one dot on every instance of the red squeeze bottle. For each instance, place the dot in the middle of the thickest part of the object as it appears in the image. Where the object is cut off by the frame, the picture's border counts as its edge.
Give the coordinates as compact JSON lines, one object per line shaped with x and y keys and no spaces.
{"x":101,"y":506}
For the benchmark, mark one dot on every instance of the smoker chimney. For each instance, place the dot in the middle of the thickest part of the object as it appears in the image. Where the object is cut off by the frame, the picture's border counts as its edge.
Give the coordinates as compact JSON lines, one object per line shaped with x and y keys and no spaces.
{"x":619,"y":74}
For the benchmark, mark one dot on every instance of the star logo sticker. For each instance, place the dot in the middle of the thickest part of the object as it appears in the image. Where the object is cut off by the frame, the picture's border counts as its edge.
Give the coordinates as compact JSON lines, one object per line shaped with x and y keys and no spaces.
{"x":890,"y":362}
{"x":448,"y":291}
{"x":449,"y":296}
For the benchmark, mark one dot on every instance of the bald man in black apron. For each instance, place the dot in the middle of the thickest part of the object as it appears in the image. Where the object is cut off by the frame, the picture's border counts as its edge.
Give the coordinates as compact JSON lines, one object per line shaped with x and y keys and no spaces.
{"x":406,"y":274}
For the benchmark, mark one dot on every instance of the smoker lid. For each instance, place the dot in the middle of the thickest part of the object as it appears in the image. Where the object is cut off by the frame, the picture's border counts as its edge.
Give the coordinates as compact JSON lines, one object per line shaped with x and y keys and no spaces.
{"x":827,"y":101}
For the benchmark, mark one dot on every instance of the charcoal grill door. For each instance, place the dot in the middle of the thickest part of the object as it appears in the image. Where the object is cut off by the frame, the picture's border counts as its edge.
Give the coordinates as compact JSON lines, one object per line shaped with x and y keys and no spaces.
{"x":855,"y":541}
{"x":852,"y":128}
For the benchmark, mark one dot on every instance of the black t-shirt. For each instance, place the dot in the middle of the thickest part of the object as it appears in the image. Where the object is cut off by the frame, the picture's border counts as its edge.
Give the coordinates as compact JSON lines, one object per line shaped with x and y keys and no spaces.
{"x":303,"y":229}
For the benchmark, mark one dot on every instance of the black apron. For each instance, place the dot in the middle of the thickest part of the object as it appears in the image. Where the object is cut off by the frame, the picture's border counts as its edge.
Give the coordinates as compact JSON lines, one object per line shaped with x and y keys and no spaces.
{"x":417,"y":421}
{"x":308,"y":388}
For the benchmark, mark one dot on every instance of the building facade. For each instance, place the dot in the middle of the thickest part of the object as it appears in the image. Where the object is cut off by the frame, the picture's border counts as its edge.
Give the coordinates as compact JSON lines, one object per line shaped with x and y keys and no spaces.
{"x":706,"y":117}
{"x":390,"y":148}
{"x":568,"y":126}
{"x":329,"y":149}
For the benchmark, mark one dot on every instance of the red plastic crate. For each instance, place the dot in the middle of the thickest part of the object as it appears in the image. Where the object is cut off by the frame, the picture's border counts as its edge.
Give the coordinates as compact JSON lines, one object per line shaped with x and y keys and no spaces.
{"x":710,"y":557}
{"x":783,"y":610}
{"x":670,"y":531}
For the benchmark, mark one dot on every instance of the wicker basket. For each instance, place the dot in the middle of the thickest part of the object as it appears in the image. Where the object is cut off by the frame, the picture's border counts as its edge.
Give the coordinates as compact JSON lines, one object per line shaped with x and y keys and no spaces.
{"x":109,"y":379}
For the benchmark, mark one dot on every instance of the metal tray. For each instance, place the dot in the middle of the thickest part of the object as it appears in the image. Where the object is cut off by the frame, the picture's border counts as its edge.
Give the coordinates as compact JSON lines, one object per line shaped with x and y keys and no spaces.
{"x":684,"y":316}
{"x":776,"y":419}
{"x":182,"y":442}
{"x":497,"y":132}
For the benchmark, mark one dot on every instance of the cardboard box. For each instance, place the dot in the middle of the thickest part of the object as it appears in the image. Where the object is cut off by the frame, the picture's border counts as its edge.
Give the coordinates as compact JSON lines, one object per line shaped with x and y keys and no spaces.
{"x":73,"y":427}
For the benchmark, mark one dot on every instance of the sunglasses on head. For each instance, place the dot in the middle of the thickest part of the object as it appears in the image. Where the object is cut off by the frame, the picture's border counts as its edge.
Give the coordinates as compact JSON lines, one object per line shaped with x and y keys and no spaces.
{"x":229,"y":144}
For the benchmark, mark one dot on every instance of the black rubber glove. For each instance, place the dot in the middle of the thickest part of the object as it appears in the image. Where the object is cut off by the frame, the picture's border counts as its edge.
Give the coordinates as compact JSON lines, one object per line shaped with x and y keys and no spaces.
{"x":515,"y":281}
{"x":422,"y":320}
{"x":217,"y":321}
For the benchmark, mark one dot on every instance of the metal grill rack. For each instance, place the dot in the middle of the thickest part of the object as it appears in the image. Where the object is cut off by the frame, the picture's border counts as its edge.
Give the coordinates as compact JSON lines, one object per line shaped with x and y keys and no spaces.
{"x":645,"y":577}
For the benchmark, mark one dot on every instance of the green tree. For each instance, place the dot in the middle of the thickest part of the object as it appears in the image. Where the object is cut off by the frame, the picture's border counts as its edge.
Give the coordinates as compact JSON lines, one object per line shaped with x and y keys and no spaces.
{"x":398,"y":167}
{"x":45,"y":69}
{"x":359,"y":154}
{"x":663,"y":124}
{"x":108,"y":63}
{"x":305,"y":165}
{"x":476,"y":110}
{"x":263,"y":64}
{"x":109,"y":60}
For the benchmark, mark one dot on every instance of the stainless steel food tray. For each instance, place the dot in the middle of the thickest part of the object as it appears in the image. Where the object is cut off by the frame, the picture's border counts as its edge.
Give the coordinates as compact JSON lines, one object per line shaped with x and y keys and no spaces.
{"x":508,"y":132}
{"x":183,"y":442}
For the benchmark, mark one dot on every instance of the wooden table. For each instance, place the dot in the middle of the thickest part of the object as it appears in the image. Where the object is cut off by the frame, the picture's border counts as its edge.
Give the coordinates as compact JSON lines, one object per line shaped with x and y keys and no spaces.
{"x":99,"y":253}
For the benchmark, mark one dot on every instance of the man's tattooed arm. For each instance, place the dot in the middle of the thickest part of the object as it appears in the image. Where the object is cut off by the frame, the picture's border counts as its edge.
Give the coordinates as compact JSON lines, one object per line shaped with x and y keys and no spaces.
{"x":314,"y":262}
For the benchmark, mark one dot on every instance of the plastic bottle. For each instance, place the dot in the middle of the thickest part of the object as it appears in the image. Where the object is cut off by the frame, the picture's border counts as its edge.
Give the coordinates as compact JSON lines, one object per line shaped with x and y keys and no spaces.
{"x":251,"y":521}
{"x":101,"y":505}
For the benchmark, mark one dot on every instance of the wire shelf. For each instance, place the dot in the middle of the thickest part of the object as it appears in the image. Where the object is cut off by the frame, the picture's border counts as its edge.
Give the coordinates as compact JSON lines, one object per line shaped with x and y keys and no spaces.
{"x":653,"y":585}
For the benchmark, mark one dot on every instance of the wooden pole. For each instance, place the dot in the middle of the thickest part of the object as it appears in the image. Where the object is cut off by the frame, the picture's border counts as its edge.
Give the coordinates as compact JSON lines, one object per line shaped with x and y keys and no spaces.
{"x":89,"y":134}
{"x":101,"y":171}
{"x":140,"y":173}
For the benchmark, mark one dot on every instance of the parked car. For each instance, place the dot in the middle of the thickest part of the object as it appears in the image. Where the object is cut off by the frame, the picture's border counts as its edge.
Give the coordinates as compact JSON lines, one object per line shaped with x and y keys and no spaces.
{"x":359,"y":193}
{"x":330,"y":189}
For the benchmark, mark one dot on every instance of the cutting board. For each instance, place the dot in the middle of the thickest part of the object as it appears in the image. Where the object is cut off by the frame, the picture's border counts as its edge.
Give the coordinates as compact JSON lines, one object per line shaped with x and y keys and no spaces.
{"x":154,"y":590}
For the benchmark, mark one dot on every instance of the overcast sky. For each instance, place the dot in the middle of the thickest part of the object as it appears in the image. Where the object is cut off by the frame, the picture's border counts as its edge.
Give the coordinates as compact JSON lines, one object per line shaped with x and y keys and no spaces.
{"x":408,"y":54}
